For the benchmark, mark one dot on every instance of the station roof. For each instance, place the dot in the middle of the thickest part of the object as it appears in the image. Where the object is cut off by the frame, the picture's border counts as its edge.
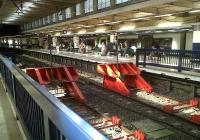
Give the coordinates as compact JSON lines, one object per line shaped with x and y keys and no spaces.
{"x":10,"y":12}
{"x":147,"y":15}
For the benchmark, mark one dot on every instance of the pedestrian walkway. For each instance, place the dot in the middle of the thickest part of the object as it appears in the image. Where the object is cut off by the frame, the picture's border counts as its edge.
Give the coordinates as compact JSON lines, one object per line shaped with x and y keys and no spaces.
{"x":9,"y":129}
{"x":194,"y":76}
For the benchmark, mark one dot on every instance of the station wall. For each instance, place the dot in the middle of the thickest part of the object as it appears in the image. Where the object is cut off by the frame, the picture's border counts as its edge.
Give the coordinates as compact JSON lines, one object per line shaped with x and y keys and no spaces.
{"x":177,"y":39}
{"x":189,"y":40}
{"x":128,"y":37}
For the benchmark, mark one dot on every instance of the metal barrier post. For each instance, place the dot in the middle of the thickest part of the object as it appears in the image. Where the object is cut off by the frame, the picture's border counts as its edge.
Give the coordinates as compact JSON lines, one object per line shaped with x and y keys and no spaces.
{"x":46,"y":127}
{"x":180,"y":60}
{"x":145,"y":55}
{"x":137,"y":57}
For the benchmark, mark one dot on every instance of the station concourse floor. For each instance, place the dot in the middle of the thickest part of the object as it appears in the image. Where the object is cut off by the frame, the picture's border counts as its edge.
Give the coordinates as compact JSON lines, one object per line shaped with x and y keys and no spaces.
{"x":9,"y":128}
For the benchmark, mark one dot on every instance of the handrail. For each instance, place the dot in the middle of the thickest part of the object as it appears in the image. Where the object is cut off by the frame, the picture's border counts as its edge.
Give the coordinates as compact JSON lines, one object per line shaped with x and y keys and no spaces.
{"x":175,"y":59}
{"x":66,"y":121}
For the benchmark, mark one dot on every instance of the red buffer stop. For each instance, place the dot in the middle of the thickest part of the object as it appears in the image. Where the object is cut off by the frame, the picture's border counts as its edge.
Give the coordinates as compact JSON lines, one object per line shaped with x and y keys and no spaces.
{"x":66,"y":75}
{"x":122,"y":78}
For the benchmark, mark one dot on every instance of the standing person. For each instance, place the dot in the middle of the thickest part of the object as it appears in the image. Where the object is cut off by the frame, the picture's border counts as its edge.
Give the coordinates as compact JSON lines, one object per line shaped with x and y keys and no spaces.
{"x":82,"y":47}
{"x":57,"y":49}
{"x":134,"y":48}
{"x":121,"y":48}
{"x":71,"y":46}
{"x":127,"y":49}
{"x":103,"y":49}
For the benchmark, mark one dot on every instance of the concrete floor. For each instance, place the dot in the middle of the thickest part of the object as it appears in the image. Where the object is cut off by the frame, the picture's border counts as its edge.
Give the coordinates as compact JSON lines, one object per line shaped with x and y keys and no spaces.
{"x":9,"y":129}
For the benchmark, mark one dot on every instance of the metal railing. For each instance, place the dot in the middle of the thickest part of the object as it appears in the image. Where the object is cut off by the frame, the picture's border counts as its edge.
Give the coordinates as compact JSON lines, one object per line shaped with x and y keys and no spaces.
{"x":79,"y":62}
{"x":175,"y":59}
{"x":42,"y":116}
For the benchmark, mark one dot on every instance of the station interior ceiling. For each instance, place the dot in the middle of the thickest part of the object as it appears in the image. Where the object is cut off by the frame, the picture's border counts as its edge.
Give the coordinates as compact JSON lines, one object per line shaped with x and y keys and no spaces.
{"x":148,"y":17}
{"x":33,"y":9}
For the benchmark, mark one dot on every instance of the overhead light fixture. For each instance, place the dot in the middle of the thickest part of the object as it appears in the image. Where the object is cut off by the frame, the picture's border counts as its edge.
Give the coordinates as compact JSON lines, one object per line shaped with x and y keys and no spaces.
{"x":158,"y":31}
{"x":194,"y":11}
{"x":26,"y":6}
{"x":147,"y":31}
{"x":88,"y":26}
{"x":69,"y":32}
{"x":166,"y":15}
{"x":81,"y":25}
{"x":82,"y":31}
{"x":171,"y":30}
{"x":169,"y":24}
{"x":135,"y":19}
{"x":127,"y":27}
{"x":57,"y":34}
{"x":100,"y":30}
{"x":106,"y":21}
{"x":115,"y":22}
{"x":100,"y":24}
{"x":145,"y":13}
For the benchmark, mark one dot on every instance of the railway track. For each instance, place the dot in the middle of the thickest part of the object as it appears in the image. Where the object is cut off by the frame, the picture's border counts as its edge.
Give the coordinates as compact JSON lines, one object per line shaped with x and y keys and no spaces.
{"x":135,"y":107}
{"x":108,"y":126}
{"x":132,"y":110}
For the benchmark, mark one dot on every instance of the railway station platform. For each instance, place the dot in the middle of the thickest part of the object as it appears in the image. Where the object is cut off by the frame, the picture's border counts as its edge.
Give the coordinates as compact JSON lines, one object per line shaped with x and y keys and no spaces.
{"x":187,"y":75}
{"x":83,"y":62}
{"x":99,"y":69}
{"x":98,"y":59}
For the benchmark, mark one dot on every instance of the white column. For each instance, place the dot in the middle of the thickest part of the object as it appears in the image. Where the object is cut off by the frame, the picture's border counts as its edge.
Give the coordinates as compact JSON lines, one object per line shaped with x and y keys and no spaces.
{"x":40,"y":41}
{"x":55,"y":44}
{"x":112,"y":38}
{"x":76,"y":41}
{"x":54,"y":40}
{"x":196,"y":37}
{"x":46,"y":44}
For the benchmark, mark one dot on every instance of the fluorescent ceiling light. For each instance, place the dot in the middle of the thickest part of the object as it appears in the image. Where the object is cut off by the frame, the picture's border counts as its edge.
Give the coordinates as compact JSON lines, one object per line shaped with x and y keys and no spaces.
{"x":100,"y":30}
{"x":170,"y":24}
{"x":145,"y":13}
{"x":28,"y":4}
{"x":166,"y":15}
{"x":81,"y":25}
{"x":87,"y":26}
{"x":81,"y":31}
{"x":194,"y":11}
{"x":106,"y":21}
{"x":172,"y":30}
{"x":127,"y":27}
{"x":158,"y":31}
{"x":57,"y":34}
{"x":147,"y":31}
{"x":69,"y":32}
{"x":135,"y":19}
{"x":114,"y":22}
